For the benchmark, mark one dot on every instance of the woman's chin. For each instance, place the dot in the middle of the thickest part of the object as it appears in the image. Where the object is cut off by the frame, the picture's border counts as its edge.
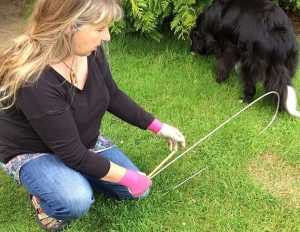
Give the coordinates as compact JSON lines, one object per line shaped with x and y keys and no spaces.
{"x":84,"y":54}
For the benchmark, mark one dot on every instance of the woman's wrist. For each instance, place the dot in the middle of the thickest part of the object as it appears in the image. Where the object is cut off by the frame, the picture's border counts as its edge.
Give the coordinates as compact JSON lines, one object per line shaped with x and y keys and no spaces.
{"x":155,"y":126}
{"x":115,"y":173}
{"x":129,"y":179}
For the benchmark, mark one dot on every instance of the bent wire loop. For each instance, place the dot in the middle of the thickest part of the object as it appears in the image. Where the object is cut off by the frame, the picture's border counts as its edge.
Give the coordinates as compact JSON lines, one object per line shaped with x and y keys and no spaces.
{"x":161,"y":168}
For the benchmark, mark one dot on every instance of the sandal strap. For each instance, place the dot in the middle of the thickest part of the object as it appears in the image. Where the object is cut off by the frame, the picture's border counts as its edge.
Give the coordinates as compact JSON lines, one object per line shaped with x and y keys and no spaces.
{"x":35,"y":202}
{"x":42,"y":216}
{"x":54,"y":223}
{"x":47,"y":222}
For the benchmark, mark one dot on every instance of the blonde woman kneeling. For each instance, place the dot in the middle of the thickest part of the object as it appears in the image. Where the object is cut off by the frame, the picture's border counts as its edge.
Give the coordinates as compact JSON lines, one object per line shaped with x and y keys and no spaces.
{"x":55,"y":86}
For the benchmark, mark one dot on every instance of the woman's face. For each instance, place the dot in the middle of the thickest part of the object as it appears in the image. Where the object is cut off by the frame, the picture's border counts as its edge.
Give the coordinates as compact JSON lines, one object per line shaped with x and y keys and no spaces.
{"x":88,"y":37}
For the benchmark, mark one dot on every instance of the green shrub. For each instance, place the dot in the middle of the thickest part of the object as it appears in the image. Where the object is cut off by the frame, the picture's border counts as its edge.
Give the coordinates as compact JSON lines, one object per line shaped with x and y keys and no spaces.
{"x":151,"y":17}
{"x":290,"y":6}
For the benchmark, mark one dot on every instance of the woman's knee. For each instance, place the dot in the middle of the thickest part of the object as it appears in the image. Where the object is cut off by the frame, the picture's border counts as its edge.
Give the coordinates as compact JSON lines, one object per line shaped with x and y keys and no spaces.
{"x":64,"y":193}
{"x":79,"y":204}
{"x":70,"y":206}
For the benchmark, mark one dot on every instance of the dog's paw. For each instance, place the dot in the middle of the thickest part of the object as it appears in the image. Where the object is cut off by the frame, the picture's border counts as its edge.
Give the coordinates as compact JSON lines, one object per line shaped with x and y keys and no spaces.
{"x":221,"y":77}
{"x":247,"y":99}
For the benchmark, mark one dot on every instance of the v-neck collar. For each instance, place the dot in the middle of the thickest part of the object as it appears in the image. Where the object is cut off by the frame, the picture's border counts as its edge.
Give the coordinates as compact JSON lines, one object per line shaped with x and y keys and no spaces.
{"x":64,"y":80}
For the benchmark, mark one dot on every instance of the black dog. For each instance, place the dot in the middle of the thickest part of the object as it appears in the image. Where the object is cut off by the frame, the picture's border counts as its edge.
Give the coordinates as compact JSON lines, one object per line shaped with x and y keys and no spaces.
{"x":257,"y":35}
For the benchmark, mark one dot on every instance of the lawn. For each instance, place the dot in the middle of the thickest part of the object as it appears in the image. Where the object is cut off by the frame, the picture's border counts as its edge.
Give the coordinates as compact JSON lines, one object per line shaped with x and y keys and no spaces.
{"x":252,"y":183}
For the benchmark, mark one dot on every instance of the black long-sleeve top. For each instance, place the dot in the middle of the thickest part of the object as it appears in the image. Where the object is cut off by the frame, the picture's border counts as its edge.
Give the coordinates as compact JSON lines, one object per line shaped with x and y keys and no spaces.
{"x":52,"y":116}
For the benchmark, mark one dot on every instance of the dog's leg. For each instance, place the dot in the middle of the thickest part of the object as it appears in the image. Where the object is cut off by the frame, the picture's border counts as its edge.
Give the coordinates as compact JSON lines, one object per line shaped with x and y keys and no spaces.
{"x":278,"y":79}
{"x":248,"y":82}
{"x":225,"y":64}
{"x":249,"y":89}
{"x":292,"y":63}
{"x":223,"y":69}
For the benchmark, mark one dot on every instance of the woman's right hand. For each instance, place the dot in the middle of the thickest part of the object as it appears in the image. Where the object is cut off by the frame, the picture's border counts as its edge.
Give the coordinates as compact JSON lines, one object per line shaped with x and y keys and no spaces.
{"x":173,"y":136}
{"x":137,"y":182}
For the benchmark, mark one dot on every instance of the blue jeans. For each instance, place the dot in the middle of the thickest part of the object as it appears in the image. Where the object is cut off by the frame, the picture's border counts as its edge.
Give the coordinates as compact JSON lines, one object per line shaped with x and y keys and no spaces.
{"x":66,"y":194}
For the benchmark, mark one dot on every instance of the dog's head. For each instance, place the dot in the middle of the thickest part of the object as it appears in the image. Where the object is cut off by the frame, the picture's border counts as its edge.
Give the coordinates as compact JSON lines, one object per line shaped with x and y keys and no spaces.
{"x":204,"y":43}
{"x":198,"y":38}
{"x":207,"y":24}
{"x":198,"y":42}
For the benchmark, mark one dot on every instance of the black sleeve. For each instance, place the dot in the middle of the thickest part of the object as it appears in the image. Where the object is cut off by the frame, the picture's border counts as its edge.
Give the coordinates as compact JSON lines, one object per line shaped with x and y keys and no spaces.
{"x":49,"y":114}
{"x":120,"y":104}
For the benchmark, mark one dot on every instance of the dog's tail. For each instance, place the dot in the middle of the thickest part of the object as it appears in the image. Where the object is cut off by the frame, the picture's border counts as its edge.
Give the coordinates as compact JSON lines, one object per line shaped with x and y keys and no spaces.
{"x":279,"y":80}
{"x":291,"y":102}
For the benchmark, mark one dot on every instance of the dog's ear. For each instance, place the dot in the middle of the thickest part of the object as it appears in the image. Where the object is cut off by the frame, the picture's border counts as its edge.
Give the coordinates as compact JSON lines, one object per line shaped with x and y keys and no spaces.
{"x":198,"y":43}
{"x":195,"y":34}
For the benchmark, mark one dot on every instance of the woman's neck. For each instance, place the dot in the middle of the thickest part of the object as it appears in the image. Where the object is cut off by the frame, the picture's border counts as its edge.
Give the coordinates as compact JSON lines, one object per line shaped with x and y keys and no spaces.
{"x":69,"y":60}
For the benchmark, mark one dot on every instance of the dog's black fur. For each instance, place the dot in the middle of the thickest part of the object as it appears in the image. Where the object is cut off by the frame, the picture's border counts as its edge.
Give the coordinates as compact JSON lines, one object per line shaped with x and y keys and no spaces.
{"x":256,"y":33}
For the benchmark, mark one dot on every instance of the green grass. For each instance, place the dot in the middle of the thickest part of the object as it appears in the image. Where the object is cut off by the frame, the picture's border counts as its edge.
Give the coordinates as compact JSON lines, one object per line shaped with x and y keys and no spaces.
{"x":180,"y":90}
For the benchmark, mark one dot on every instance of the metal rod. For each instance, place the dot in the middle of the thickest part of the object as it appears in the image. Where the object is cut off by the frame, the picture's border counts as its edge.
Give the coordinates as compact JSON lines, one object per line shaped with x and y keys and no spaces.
{"x":161,"y":164}
{"x":187,"y":179}
{"x":223,"y":124}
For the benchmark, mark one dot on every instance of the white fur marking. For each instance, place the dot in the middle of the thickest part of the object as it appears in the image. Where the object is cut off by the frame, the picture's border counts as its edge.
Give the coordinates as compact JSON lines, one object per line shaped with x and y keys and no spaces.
{"x":291,"y":102}
{"x":237,"y":67}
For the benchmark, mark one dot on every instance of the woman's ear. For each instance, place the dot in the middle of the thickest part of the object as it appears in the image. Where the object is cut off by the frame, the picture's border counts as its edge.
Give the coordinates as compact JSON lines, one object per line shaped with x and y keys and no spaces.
{"x":70,"y":30}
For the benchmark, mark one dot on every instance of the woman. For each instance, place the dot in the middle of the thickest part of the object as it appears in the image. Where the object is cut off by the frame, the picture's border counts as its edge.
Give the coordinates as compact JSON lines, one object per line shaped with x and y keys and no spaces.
{"x":55,"y":87}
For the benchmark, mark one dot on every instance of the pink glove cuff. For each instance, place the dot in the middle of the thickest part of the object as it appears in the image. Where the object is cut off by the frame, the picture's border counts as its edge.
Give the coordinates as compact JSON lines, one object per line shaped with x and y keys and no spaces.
{"x":137,"y":183}
{"x":129,"y":177}
{"x":155,"y":126}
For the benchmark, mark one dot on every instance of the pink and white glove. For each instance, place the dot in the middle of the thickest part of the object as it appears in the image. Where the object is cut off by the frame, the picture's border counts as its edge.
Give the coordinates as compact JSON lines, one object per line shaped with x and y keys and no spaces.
{"x":172,"y":134}
{"x":136,"y":182}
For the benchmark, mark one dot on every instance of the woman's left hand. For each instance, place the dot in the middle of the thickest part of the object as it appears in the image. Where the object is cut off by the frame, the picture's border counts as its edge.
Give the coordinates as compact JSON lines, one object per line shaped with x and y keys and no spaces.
{"x":173,"y":136}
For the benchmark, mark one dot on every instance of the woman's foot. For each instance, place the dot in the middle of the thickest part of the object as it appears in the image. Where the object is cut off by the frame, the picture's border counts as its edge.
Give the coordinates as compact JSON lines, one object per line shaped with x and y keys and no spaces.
{"x":46,"y":222}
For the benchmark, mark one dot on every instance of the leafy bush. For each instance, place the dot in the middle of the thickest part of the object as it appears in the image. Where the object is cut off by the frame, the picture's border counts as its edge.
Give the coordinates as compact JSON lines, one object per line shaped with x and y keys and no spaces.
{"x":151,"y":17}
{"x":290,"y":6}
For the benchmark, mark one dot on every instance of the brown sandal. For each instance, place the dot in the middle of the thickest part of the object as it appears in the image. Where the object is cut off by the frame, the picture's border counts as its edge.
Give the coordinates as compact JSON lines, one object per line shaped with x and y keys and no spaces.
{"x":46,"y":222}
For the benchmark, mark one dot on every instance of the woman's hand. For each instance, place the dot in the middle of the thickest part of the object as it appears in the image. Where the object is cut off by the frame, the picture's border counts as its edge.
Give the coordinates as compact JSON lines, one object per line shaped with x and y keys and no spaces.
{"x":173,"y":136}
{"x":137,"y":182}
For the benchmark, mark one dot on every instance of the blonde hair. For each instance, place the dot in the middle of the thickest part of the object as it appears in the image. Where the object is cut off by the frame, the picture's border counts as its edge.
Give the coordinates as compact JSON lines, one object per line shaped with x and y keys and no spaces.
{"x":45,"y":40}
